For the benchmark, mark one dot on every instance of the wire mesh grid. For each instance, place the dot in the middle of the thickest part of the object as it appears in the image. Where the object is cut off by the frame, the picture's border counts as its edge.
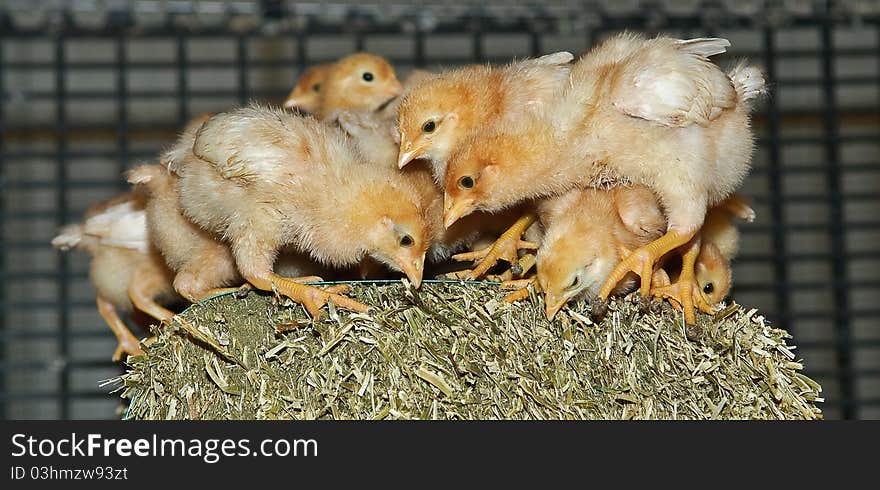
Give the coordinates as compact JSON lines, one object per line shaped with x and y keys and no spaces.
{"x":87,"y":89}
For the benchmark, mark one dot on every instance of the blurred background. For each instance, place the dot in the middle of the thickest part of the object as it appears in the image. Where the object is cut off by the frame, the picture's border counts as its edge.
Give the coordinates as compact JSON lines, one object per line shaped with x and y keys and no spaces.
{"x":88,"y":88}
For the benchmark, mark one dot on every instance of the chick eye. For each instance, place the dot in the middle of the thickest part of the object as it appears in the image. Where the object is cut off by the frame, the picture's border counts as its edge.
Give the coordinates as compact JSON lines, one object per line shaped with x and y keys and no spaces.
{"x":367,"y":76}
{"x":466,"y":182}
{"x":316,"y":87}
{"x":406,"y":241}
{"x":575,"y":283}
{"x":429,"y":127}
{"x":709,"y":288}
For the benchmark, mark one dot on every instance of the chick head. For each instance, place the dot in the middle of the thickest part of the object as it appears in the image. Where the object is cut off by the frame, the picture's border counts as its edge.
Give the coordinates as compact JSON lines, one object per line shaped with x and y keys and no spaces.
{"x":359,"y":81}
{"x":429,"y":122}
{"x":306,"y":94}
{"x":572,"y":264}
{"x":398,"y":233}
{"x":472,"y":177}
{"x":713,"y":274}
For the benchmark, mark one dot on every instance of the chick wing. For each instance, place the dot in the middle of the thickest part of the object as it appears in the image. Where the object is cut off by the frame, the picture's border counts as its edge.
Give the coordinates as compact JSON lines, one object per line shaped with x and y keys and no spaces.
{"x":673,"y":83}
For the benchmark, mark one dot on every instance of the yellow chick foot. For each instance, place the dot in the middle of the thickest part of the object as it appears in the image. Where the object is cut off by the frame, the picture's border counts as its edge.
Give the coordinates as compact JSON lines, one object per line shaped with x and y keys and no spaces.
{"x":506,"y":248}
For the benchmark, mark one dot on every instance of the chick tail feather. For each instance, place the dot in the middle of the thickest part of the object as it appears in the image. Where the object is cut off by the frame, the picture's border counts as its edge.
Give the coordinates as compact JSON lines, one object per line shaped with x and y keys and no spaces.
{"x":705,"y":46}
{"x":69,"y":237}
{"x":149,"y":176}
{"x":142,"y":174}
{"x":748,"y":81}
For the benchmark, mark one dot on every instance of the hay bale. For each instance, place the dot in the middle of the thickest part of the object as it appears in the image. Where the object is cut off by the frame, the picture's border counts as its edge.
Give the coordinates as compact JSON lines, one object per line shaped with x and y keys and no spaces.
{"x":454,"y":351}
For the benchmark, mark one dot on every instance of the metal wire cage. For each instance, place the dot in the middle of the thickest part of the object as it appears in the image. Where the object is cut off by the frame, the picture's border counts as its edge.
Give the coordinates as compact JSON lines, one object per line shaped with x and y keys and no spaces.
{"x":89,"y":88}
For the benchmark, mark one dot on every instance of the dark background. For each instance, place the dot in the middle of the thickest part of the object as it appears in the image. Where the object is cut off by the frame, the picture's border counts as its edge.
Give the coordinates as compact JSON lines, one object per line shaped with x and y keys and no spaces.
{"x":90,"y":88}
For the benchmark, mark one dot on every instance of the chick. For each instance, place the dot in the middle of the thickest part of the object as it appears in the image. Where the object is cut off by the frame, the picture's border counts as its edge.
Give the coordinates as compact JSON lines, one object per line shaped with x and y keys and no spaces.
{"x":653,"y":112}
{"x":359,"y":81}
{"x":306,"y":94}
{"x":264,"y":179}
{"x":586,"y":231}
{"x":126,"y":272}
{"x":442,"y":109}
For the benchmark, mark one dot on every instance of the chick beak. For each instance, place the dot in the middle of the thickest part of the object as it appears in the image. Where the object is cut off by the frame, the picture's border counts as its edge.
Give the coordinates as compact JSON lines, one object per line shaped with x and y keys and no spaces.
{"x":413,"y":270}
{"x":408,"y":154}
{"x":553,"y":304}
{"x":454,"y":211}
{"x":291,"y":103}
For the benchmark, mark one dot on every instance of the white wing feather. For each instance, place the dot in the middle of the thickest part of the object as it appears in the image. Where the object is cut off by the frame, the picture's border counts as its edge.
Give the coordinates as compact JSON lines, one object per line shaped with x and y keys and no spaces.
{"x":673,"y":83}
{"x":122,"y":225}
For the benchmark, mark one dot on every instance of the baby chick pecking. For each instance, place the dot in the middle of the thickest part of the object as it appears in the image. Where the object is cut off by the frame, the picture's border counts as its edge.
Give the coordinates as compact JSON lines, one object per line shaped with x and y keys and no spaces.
{"x":264,"y":179}
{"x":586,"y":232}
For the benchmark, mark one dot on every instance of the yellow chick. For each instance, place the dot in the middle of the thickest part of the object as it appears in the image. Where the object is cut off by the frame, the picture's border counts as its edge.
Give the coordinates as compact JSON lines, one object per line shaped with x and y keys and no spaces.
{"x":128,"y":274}
{"x":441,"y":109}
{"x":585,"y":233}
{"x":265,"y":179}
{"x":306,"y":94}
{"x":360,"y":81}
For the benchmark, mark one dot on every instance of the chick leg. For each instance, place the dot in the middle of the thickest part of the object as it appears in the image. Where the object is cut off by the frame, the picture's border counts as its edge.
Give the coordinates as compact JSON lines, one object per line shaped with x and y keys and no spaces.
{"x":642,"y":261}
{"x":686,"y":291}
{"x":244,"y":288}
{"x":310,"y":297}
{"x":142,"y":291}
{"x":660,"y":278}
{"x":128,"y":343}
{"x":505,"y":248}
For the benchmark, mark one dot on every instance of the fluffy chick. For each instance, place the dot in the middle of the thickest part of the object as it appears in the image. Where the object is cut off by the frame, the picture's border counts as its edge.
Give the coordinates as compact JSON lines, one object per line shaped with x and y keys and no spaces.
{"x":441,"y":109}
{"x":654,"y":112}
{"x":306,"y":94}
{"x":585,"y":232}
{"x":360,"y":81}
{"x":264,"y":179}
{"x":127,"y":273}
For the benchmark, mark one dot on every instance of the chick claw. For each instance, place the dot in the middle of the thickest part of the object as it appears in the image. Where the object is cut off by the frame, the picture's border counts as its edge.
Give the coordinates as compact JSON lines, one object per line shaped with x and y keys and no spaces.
{"x":673,"y":293}
{"x":127,"y":343}
{"x":313,"y":298}
{"x":686,"y":291}
{"x":661,"y":280}
{"x":520,"y":287}
{"x":642,"y":261}
{"x":338,"y":289}
{"x":506,"y":248}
